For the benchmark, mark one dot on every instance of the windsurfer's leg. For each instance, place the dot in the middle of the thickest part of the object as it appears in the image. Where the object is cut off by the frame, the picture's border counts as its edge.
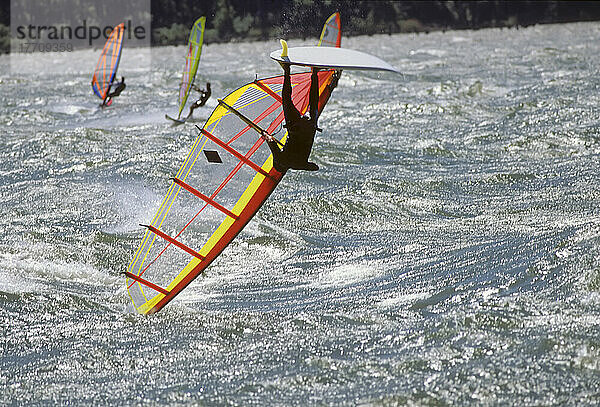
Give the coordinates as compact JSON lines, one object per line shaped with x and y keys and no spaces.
{"x":289,"y":110}
{"x":307,"y":166}
{"x":314,"y":95}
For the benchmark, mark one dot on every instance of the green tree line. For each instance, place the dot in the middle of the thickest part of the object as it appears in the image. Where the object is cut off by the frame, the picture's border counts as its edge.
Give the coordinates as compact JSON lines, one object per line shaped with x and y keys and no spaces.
{"x":244,"y":20}
{"x":266,"y":19}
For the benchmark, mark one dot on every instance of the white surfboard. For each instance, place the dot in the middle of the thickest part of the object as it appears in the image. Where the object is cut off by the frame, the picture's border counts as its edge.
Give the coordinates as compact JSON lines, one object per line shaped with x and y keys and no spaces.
{"x":329,"y":57}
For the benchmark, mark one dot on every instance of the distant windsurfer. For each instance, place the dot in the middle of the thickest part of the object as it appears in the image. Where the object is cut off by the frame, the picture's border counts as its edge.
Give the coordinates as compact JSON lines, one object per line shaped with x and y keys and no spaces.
{"x":301,"y":129}
{"x":204,"y":96}
{"x":119,"y":87}
{"x":334,"y":80}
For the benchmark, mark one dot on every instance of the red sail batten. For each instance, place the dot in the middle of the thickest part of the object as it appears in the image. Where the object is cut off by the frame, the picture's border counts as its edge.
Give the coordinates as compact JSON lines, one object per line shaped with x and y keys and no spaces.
{"x":235,"y":153}
{"x":175,"y":242}
{"x":206,"y":199}
{"x":269,"y":91}
{"x":146,"y":283}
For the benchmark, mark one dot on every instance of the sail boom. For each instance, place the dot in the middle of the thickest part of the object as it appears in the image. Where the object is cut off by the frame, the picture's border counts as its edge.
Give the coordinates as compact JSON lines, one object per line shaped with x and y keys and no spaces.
{"x":263,"y":133}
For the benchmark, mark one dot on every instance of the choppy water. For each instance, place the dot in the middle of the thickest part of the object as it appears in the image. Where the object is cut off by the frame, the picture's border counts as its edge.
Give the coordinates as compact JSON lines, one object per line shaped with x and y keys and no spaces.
{"x":447,"y":252}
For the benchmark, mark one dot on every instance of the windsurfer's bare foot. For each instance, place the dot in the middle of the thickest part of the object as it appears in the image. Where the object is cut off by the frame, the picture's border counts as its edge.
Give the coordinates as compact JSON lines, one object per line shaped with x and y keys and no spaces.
{"x":312,"y":167}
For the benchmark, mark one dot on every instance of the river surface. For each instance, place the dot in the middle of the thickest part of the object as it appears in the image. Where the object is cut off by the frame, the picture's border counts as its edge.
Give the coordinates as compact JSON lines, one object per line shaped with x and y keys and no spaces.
{"x":447,"y":252}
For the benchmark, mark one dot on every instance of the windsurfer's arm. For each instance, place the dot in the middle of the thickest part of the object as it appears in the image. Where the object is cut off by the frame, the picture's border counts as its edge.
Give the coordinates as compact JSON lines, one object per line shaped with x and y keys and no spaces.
{"x":289,"y":110}
{"x":277,"y":153}
{"x":206,"y":93}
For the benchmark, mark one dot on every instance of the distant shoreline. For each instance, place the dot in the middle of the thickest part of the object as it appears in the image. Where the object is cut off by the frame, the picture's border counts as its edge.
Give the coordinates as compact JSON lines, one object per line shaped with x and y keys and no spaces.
{"x":262,"y":20}
{"x":426,"y":30}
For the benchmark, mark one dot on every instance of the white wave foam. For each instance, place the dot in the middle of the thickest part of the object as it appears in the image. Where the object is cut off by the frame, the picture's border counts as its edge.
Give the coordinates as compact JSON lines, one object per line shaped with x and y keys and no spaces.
{"x":348,"y":274}
{"x":22,"y":273}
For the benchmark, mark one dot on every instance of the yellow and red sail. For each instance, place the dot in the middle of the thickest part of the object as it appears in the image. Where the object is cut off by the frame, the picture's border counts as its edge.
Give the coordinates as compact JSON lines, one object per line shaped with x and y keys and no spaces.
{"x":226,"y":177}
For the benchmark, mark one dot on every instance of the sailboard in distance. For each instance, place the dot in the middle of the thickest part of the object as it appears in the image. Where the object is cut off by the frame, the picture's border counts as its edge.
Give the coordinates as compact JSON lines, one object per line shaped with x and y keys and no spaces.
{"x":174,"y":120}
{"x":192,"y":60}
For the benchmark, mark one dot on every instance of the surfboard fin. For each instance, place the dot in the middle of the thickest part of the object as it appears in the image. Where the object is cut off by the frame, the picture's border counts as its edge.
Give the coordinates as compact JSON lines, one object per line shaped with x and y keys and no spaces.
{"x":284,"y":48}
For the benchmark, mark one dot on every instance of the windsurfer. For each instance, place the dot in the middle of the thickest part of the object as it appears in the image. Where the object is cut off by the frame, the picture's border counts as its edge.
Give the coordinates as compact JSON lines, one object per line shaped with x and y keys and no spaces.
{"x":301,"y":129}
{"x":204,"y":96}
{"x":119,"y":87}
